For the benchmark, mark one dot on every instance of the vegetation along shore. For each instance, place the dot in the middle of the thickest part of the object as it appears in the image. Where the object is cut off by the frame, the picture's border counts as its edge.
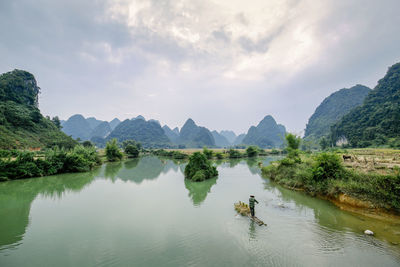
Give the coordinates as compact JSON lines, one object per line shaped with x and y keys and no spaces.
{"x":361,"y":180}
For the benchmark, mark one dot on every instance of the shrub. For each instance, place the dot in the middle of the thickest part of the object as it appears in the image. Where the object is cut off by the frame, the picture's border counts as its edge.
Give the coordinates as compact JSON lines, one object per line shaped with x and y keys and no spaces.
{"x":112,"y":151}
{"x":219,"y":155}
{"x":233,"y":154}
{"x":327,"y":166}
{"x":199,"y":176}
{"x":132,"y":151}
{"x":208,"y":153}
{"x":199,"y":162}
{"x":252,"y":151}
{"x":27,"y":164}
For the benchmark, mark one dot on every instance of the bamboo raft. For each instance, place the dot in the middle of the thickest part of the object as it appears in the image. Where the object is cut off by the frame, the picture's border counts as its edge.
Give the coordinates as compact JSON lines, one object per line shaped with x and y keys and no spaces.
{"x":244,"y":210}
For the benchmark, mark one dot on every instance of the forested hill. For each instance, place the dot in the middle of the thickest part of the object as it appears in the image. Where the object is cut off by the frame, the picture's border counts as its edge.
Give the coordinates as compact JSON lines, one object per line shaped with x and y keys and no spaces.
{"x":332,"y":109}
{"x":192,"y":135}
{"x":377,"y":120}
{"x":149,"y":133}
{"x":267,"y":134}
{"x":21,"y":123}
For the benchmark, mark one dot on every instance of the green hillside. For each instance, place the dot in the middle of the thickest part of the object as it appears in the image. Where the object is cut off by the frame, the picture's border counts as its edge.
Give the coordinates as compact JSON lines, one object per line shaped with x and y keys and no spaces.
{"x":192,"y":135}
{"x":149,"y":133}
{"x":267,"y":134}
{"x":377,"y":121}
{"x":21,"y":123}
{"x":332,"y":109}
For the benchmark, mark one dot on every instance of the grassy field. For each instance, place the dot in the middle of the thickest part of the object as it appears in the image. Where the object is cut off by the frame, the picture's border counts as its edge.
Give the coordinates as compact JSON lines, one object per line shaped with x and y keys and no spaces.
{"x":368,"y":160}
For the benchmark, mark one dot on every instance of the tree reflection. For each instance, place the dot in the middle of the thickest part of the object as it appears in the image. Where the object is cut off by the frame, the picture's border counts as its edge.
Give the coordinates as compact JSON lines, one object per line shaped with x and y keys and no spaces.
{"x":16,"y":198}
{"x":198,"y":191}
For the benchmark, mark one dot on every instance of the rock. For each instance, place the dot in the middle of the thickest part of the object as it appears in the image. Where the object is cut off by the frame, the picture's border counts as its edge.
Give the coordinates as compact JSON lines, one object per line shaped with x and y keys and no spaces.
{"x":368,"y":232}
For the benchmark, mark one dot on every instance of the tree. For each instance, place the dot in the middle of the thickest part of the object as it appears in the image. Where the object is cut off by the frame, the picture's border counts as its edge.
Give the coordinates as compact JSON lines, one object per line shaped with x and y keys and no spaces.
{"x":293,"y":144}
{"x":208,"y":153}
{"x":131,"y":148}
{"x":199,"y":168}
{"x":87,"y":144}
{"x":132,"y":151}
{"x":323,"y":143}
{"x":252,"y":151}
{"x":112,"y":151}
{"x":56,"y":122}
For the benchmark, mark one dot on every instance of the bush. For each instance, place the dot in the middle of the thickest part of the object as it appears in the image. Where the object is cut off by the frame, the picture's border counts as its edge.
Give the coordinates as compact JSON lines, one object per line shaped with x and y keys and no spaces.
{"x":112,"y":151}
{"x":252,"y":151}
{"x":208,"y":153}
{"x":234,"y":154}
{"x":132,"y":151}
{"x":199,"y":176}
{"x":327,"y":166}
{"x":199,"y":162}
{"x":53,"y":161}
{"x":219,"y":155}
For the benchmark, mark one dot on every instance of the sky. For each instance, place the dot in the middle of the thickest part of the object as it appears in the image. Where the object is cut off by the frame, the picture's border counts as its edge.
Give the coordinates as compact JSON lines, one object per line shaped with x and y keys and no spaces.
{"x":225,"y":64}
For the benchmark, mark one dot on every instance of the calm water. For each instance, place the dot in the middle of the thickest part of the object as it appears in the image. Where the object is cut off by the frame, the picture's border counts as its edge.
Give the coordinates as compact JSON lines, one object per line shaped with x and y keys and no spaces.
{"x":144,"y":213}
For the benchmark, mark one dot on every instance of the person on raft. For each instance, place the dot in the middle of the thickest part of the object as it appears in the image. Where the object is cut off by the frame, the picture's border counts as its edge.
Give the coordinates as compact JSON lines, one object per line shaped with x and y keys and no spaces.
{"x":251,"y":204}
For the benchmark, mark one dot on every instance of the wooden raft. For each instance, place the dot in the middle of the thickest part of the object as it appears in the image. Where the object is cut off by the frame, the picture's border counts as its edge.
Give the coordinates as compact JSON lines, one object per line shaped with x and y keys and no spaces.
{"x":244,"y":210}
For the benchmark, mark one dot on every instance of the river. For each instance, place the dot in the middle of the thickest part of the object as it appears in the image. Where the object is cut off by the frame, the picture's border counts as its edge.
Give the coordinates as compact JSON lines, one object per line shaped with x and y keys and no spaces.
{"x":142,"y":212}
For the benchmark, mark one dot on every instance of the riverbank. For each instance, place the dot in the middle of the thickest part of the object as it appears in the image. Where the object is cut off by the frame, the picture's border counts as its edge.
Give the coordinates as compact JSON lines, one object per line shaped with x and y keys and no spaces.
{"x":360,"y":184}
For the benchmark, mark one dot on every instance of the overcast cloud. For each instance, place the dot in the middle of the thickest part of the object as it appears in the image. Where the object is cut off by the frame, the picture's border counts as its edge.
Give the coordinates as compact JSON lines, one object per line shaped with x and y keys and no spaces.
{"x":225,"y":64}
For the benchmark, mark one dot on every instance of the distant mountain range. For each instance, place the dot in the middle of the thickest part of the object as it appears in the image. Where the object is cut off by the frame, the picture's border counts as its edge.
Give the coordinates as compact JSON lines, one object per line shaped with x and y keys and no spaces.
{"x":267,"y":134}
{"x":151,"y":134}
{"x":86,"y":129}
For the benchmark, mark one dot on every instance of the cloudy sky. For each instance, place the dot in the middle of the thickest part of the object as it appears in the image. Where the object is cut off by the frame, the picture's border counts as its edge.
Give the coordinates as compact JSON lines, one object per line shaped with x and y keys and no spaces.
{"x":226,"y":64}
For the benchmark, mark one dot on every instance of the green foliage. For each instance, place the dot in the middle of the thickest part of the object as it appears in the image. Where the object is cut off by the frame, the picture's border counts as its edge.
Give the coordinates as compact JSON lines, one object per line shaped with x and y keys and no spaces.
{"x":112,"y":150}
{"x":173,"y":154}
{"x":323,"y":143}
{"x":29,"y":164}
{"x":332,"y":109}
{"x":327,"y":166}
{"x":208,"y":153}
{"x":56,"y":122}
{"x":21,"y":124}
{"x":378,"y":119}
{"x":324,"y":174}
{"x":234,"y":154}
{"x":219,"y":155}
{"x":131,"y":148}
{"x":199,"y":176}
{"x":199,"y":168}
{"x":192,"y":135}
{"x":293,"y":144}
{"x":87,"y":144}
{"x":20,"y":87}
{"x":252,"y":151}
{"x":148,"y":133}
{"x":293,"y":141}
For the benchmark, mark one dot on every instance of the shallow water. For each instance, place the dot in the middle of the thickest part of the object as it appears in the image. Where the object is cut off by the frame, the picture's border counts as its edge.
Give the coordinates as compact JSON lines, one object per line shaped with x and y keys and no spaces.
{"x":143,"y":212}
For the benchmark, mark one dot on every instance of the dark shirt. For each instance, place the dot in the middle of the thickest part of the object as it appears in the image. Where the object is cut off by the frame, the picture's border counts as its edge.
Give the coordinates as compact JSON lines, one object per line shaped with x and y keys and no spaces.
{"x":251,"y":202}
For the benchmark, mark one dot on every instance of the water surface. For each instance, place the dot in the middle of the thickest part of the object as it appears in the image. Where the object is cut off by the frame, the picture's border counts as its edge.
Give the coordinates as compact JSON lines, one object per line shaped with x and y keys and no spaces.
{"x":143,"y":212}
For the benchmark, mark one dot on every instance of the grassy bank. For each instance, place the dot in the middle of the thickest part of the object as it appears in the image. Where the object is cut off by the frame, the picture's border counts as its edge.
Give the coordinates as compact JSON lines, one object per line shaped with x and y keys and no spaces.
{"x":371,"y":178}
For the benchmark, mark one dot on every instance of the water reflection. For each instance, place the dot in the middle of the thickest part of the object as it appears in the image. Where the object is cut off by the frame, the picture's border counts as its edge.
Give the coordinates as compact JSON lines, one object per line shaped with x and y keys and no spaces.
{"x":334,"y":223}
{"x":138,"y":170}
{"x":16,"y":198}
{"x":198,"y":191}
{"x":252,"y":230}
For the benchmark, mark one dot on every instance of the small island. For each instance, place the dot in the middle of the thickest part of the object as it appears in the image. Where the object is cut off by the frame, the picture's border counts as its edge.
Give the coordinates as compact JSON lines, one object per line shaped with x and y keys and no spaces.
{"x":199,"y":168}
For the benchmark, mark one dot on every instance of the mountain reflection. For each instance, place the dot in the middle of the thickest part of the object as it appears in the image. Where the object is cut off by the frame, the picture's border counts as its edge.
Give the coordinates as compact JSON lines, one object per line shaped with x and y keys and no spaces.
{"x":16,"y":198}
